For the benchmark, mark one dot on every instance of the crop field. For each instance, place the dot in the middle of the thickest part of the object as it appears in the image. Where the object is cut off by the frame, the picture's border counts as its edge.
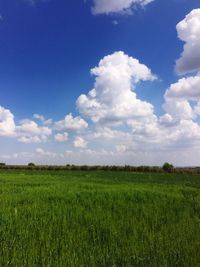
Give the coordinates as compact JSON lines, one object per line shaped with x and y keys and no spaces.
{"x":99,"y":218}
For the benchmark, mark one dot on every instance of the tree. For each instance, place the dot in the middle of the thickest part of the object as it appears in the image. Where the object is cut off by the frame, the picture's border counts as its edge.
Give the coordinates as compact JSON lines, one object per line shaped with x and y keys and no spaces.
{"x":2,"y":164}
{"x":167,"y":167}
{"x":31,"y":165}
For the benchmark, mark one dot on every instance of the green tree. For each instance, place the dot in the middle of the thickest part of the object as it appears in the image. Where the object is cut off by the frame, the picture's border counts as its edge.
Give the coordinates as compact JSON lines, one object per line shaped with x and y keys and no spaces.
{"x":167,"y":167}
{"x":31,"y":165}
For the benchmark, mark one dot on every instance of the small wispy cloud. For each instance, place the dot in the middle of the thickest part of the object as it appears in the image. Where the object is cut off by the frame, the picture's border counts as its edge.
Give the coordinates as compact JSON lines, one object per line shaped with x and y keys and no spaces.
{"x":115,"y":22}
{"x":34,"y":2}
{"x":31,"y":2}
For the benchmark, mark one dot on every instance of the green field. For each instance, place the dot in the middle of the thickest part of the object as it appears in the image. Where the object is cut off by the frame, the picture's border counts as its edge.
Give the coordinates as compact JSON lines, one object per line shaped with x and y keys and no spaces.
{"x":60,"y":218}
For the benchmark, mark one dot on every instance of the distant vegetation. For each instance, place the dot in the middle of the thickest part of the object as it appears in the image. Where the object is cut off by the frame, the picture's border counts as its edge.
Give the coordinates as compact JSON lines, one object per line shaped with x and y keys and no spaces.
{"x":167,"y":167}
{"x":99,"y":218}
{"x":31,"y":165}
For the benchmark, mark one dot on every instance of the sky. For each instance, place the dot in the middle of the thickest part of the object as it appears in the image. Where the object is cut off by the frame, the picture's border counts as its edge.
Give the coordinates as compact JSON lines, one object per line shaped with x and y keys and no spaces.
{"x":100,"y":82}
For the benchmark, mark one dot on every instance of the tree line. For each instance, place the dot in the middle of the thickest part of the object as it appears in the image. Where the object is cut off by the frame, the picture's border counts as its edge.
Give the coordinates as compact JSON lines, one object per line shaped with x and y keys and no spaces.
{"x":167,"y":167}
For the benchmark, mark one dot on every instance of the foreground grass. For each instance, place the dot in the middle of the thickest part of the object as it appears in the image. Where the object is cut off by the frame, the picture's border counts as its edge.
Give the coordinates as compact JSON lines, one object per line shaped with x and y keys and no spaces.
{"x":99,"y":219}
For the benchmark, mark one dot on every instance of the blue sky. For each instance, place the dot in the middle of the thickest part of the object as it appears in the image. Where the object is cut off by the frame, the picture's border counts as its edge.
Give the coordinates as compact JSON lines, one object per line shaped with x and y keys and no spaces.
{"x":47,"y":51}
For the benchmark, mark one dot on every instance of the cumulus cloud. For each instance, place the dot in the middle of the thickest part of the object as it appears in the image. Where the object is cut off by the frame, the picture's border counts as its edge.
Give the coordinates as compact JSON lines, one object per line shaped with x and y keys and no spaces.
{"x":7,"y":123}
{"x":79,"y":142}
{"x":145,"y":128}
{"x":42,"y":119}
{"x":71,"y":123}
{"x":181,"y":96}
{"x":61,"y":137}
{"x":189,"y":32}
{"x":185,"y":88}
{"x":30,"y":132}
{"x":114,"y":6}
{"x":107,"y":134}
{"x":180,"y":123}
{"x":113,"y":100}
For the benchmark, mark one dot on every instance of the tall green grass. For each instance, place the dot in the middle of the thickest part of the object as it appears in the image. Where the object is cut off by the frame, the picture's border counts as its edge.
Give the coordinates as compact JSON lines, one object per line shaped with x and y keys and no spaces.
{"x":100,"y":219}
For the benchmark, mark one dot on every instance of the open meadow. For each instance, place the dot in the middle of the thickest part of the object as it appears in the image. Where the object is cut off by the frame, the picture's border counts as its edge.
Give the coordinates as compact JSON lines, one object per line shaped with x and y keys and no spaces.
{"x":99,"y":218}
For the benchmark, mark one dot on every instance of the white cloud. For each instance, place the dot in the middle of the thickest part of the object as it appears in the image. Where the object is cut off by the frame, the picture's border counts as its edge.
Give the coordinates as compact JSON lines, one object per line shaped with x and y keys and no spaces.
{"x":7,"y":124}
{"x":38,"y":117}
{"x":121,"y":148}
{"x":42,"y":119}
{"x":189,"y":32}
{"x":30,"y":132}
{"x":186,"y":133}
{"x":182,"y":101}
{"x":71,"y":123}
{"x":186,"y":88}
{"x":39,"y":150}
{"x":113,"y":100}
{"x":48,"y":122}
{"x":79,"y":142}
{"x":167,"y":120}
{"x":34,"y":2}
{"x":115,"y":22}
{"x":179,"y":109}
{"x":32,"y":139}
{"x":180,"y":96}
{"x":145,"y":128}
{"x":61,"y":137}
{"x":117,"y":6}
{"x":107,"y":134}
{"x":42,"y":153}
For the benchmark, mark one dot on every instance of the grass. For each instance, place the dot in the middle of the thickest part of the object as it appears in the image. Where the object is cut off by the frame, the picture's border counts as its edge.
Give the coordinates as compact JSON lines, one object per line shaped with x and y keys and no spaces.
{"x":88,"y":219}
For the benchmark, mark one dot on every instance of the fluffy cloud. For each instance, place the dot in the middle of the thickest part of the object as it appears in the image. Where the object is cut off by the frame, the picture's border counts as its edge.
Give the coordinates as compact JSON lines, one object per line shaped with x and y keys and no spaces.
{"x":79,"y":142}
{"x":106,"y":134}
{"x":61,"y":137}
{"x":42,"y":119}
{"x":182,"y":102}
{"x":113,"y":100}
{"x":30,"y":132}
{"x":180,"y":97}
{"x":145,"y":129}
{"x":7,"y":124}
{"x":186,"y":88}
{"x":114,"y":6}
{"x":71,"y":123}
{"x":178,"y":109}
{"x":189,"y":32}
